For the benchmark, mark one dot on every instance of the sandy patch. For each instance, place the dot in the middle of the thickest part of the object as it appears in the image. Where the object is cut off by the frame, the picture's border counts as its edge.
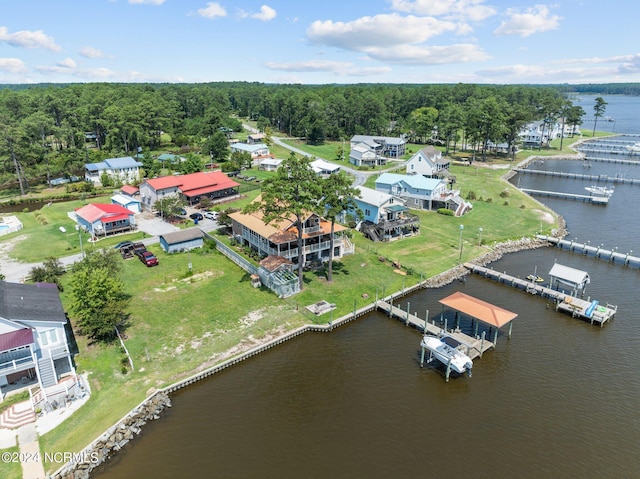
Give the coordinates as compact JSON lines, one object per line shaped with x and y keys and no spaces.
{"x":251,"y":318}
{"x":545,"y":216}
{"x":398,"y":271}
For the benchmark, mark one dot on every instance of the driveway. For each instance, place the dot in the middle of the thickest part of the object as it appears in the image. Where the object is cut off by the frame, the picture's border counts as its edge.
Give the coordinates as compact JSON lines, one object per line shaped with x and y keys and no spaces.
{"x":153,"y":226}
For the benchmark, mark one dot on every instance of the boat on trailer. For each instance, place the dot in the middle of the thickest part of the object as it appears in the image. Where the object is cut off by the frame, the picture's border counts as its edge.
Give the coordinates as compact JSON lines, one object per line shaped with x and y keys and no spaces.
{"x":445,"y":349}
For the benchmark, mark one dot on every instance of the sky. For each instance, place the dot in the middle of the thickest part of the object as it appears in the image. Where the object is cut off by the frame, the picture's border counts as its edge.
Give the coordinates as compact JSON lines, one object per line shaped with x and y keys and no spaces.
{"x":320,"y":42}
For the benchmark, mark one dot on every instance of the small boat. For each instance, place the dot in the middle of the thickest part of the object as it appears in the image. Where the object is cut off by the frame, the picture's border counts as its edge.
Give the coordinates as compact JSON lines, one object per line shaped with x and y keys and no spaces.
{"x":635,"y":147}
{"x":602,"y":191}
{"x":444,"y":349}
{"x":534,"y":277}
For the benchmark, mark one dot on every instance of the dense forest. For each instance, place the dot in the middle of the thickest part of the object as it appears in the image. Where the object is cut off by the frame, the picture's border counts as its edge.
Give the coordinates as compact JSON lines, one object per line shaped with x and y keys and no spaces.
{"x":48,"y":131}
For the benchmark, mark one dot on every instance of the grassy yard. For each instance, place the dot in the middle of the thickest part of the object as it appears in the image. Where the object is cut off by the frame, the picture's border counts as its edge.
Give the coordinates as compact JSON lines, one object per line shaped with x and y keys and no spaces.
{"x":181,"y":321}
{"x":10,"y":469}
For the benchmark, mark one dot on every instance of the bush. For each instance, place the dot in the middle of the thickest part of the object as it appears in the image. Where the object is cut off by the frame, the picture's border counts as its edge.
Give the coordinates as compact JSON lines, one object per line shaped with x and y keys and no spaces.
{"x":505,"y":194}
{"x":506,"y":203}
{"x":445,"y":211}
{"x":489,"y":200}
{"x":471,"y":195}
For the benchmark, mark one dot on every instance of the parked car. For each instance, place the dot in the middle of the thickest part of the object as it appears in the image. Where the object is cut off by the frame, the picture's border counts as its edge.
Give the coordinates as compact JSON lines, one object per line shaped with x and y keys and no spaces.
{"x":138,"y":248}
{"x":127,"y":251}
{"x":196,"y":216}
{"x":211,"y":215}
{"x":122,"y":244}
{"x":148,"y":258}
{"x":183,"y":212}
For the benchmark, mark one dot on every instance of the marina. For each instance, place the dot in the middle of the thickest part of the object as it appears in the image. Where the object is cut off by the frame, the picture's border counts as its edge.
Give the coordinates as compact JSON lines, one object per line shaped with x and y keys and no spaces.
{"x":598,"y":252}
{"x":593,"y":311}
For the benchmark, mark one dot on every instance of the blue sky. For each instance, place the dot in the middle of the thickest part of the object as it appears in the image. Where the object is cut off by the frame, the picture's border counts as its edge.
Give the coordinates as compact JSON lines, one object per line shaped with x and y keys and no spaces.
{"x":328,"y":41}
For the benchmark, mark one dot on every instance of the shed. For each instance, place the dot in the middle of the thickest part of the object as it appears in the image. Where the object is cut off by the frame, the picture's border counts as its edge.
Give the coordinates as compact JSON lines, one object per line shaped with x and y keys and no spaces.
{"x":575,"y":279}
{"x":491,"y":315}
{"x":126,"y":201}
{"x":183,"y":240}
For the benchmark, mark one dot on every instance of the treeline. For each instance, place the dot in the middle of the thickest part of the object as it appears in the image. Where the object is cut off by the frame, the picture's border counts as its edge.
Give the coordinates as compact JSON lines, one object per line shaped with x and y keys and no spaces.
{"x":46,"y":130}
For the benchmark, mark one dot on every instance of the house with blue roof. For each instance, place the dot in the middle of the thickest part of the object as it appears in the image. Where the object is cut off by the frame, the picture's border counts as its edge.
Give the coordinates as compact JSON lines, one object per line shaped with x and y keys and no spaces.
{"x":422,"y":193}
{"x":123,"y":170}
{"x":385,"y":217}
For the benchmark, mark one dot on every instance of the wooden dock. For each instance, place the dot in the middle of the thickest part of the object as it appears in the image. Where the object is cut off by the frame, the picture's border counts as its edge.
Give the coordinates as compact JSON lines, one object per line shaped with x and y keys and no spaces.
{"x":577,"y":307}
{"x":472,"y":347}
{"x":567,"y":196}
{"x":580,"y":176}
{"x":598,"y":252}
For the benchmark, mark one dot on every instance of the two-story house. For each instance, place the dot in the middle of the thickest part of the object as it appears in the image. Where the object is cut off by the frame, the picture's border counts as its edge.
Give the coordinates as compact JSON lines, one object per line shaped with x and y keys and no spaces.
{"x":255,"y":150}
{"x":123,"y":170}
{"x":363,"y":154}
{"x":385,"y":216}
{"x":280,"y":238}
{"x":388,"y":146}
{"x":104,"y":219}
{"x":33,"y":340}
{"x":429,"y":162}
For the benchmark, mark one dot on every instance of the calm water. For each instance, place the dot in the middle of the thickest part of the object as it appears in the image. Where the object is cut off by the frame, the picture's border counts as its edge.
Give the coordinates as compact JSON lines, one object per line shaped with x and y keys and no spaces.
{"x":560,"y":399}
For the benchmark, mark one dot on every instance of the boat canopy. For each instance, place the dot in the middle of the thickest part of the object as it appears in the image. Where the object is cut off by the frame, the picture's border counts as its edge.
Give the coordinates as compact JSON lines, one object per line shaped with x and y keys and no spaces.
{"x":575,"y":278}
{"x":481,"y":310}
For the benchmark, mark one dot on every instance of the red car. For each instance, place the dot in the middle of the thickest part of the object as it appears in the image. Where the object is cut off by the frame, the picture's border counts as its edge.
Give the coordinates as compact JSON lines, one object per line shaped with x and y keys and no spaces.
{"x":148,"y":258}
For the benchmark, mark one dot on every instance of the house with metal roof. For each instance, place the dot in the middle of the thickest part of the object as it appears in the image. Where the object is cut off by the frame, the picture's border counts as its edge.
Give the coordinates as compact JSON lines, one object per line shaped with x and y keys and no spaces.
{"x":191,"y":188}
{"x":182,"y":240}
{"x":122,"y":170}
{"x":388,"y":146}
{"x":280,"y":238}
{"x":324,"y":168}
{"x":363,"y":154}
{"x":428,"y":162}
{"x":256,"y":150}
{"x":33,"y":340}
{"x":104,"y":219}
{"x":130,"y":203}
{"x":385,"y":216}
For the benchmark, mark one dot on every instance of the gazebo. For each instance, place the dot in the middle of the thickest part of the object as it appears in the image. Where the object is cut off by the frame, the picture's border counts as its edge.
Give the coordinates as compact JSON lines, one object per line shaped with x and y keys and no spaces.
{"x":480,"y":311}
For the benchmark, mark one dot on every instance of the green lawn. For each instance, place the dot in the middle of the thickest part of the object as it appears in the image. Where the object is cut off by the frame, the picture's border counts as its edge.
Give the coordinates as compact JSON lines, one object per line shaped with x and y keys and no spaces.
{"x":10,"y":469}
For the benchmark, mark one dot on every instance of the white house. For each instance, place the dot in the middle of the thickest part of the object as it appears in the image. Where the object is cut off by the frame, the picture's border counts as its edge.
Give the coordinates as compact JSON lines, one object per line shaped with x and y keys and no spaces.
{"x":388,"y":146}
{"x":324,"y":168}
{"x":427,"y":162}
{"x":33,"y":340}
{"x":256,"y":150}
{"x":123,"y":170}
{"x":270,"y":164}
{"x":363,"y":154}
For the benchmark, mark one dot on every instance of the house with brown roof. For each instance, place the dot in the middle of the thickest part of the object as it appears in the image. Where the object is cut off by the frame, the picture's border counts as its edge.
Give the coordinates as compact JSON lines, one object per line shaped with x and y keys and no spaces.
{"x":280,"y":238}
{"x":212,"y":184}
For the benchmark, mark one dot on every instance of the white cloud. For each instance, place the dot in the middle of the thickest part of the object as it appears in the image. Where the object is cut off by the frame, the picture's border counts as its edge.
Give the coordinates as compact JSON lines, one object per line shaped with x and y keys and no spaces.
{"x":266,"y":13}
{"x":90,"y":52}
{"x":67,"y":63}
{"x":148,"y":2}
{"x":338,"y":68}
{"x":536,"y":19}
{"x":474,"y":10}
{"x":12,"y":65}
{"x":429,"y":55}
{"x":29,"y":39}
{"x":212,"y":10}
{"x":379,"y":31}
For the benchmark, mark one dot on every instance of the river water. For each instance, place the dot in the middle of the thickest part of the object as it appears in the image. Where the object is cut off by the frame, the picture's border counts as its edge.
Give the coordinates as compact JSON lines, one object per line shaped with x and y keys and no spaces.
{"x":558,"y":399}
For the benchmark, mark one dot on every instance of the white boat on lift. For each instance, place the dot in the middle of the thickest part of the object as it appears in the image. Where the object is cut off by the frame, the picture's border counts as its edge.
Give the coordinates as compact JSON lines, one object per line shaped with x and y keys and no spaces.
{"x":599,"y":191}
{"x":635,"y":147}
{"x":444,"y":349}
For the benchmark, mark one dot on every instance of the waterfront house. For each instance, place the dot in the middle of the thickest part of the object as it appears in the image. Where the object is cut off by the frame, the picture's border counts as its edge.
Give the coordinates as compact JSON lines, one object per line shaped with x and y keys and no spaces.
{"x":429,"y":162}
{"x":121,"y":170}
{"x":385,"y":216}
{"x":191,"y":188}
{"x":280,"y":238}
{"x":105,"y":219}
{"x":33,"y":340}
{"x":182,"y":240}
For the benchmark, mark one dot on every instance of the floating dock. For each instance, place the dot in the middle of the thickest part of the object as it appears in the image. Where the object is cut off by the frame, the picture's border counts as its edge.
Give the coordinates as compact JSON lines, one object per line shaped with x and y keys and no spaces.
{"x":592,"y":311}
{"x":580,"y":176}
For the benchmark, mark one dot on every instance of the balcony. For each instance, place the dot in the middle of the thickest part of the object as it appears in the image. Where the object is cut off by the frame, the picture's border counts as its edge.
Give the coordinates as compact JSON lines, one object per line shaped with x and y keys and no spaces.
{"x":17,"y":364}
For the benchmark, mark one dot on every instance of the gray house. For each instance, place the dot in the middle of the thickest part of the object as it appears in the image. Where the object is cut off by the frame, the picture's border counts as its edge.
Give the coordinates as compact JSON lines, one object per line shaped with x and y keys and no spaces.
{"x":33,"y":340}
{"x":183,"y":240}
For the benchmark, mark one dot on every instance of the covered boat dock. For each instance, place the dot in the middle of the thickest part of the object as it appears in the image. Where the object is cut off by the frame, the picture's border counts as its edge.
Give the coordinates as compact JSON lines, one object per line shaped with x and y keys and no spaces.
{"x":479,"y":311}
{"x":572,"y":278}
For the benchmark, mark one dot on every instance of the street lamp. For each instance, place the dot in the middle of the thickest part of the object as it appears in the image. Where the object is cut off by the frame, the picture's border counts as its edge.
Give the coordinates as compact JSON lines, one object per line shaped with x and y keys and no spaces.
{"x":460,"y":256}
{"x":480,"y":236}
{"x":80,"y":238}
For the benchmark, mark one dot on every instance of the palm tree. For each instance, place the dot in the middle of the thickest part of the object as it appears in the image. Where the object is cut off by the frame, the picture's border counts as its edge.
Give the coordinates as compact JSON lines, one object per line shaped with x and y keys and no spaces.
{"x":598,"y":110}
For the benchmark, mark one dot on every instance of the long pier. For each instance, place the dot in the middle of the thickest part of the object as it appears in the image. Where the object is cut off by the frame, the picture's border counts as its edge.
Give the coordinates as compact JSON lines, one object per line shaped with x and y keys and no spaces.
{"x":474,"y":347}
{"x":580,"y":176}
{"x":598,"y":252}
{"x":567,"y":196}
{"x":577,"y":307}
